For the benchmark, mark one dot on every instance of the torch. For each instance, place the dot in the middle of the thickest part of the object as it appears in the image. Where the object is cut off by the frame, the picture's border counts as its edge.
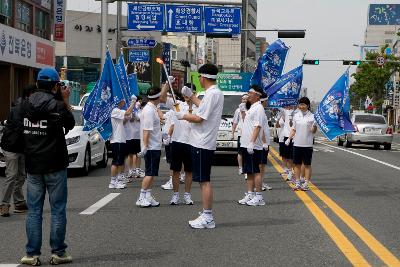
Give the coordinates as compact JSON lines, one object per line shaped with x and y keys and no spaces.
{"x":160,"y":61}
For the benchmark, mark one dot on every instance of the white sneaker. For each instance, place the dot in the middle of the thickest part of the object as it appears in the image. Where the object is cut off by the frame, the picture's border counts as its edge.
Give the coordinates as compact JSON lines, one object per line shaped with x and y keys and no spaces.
{"x":188,"y":199}
{"x":245,"y":176}
{"x":265,"y":186}
{"x":201,"y":223}
{"x":256,"y":201}
{"x":168,"y":185}
{"x":174,"y":199}
{"x":141,"y":173}
{"x":297,"y":186}
{"x":304,"y":186}
{"x":182,"y":178}
{"x":143,"y":202}
{"x":112,"y":184}
{"x":247,"y":197}
{"x":119,"y":185}
{"x":131,"y":174}
{"x":289,"y":176}
{"x":240,"y":171}
{"x":153,"y":202}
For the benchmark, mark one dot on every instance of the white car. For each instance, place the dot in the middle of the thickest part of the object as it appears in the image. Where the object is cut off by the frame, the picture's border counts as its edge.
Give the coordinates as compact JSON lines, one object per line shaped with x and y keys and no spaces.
{"x":83,"y":99}
{"x":85,"y":148}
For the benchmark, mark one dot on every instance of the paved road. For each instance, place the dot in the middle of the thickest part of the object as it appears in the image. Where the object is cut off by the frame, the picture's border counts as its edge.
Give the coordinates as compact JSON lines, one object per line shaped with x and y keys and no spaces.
{"x":350,"y":217}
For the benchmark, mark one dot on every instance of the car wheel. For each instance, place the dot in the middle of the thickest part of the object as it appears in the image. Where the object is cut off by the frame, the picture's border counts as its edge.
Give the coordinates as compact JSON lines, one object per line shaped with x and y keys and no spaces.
{"x":348,"y":144}
{"x":104,"y":161}
{"x":387,"y":146}
{"x":340,"y":142}
{"x":86,"y":162}
{"x":377,"y":146}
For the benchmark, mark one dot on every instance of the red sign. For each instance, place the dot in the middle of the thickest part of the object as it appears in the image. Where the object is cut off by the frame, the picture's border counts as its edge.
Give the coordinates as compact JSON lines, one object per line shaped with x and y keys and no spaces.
{"x":44,"y":54}
{"x":59,"y":32}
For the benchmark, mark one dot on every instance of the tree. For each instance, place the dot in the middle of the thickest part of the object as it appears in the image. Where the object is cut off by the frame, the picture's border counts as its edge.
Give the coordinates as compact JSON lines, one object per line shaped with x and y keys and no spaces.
{"x":371,"y":78}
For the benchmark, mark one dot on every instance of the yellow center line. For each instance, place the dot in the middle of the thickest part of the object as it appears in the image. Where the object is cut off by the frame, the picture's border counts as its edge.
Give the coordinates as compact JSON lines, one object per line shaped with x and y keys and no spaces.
{"x":341,"y":241}
{"x":380,"y":250}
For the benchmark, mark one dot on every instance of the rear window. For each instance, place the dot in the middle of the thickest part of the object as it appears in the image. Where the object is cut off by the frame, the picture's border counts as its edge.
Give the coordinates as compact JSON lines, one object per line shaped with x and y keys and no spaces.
{"x":369,"y":119}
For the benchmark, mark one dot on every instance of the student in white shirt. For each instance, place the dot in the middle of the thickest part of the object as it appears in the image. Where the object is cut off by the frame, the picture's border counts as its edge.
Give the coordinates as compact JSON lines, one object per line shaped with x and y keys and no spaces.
{"x":304,"y":128}
{"x":203,"y":138}
{"x":167,"y":131}
{"x":287,"y":150}
{"x":150,"y":136}
{"x":252,"y":145}
{"x":136,"y":161}
{"x":118,"y":143}
{"x":237,"y":123}
{"x":266,"y":142}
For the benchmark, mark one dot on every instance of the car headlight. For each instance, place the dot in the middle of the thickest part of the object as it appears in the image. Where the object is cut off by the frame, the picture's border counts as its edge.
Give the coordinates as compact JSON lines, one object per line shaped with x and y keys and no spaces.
{"x":73,"y":140}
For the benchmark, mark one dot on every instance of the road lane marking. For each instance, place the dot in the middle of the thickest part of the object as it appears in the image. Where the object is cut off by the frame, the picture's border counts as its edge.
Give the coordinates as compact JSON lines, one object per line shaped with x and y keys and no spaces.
{"x":341,"y":241}
{"x":9,"y":265}
{"x":99,"y":204}
{"x":363,"y":156}
{"x":379,"y":249}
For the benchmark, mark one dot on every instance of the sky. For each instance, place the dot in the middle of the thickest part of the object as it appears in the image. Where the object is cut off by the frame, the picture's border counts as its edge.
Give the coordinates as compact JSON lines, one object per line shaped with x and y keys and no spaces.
{"x":332,"y":27}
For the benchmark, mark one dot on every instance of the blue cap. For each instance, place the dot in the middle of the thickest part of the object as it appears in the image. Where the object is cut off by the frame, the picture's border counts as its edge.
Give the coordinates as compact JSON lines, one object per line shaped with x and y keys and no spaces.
{"x":48,"y":74}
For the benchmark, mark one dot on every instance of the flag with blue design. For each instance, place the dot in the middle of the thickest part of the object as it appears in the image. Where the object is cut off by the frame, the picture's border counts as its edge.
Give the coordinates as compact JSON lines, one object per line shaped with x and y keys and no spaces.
{"x":133,"y":84}
{"x":123,"y":78}
{"x":333,"y":113}
{"x":104,"y":97}
{"x":270,"y":66}
{"x":286,"y":90}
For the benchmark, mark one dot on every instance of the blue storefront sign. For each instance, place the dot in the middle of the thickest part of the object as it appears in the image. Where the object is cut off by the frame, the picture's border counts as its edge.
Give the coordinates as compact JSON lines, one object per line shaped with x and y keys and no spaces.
{"x":143,"y":17}
{"x":139,"y":56}
{"x":180,"y":18}
{"x":222,"y":20}
{"x":142,"y":43}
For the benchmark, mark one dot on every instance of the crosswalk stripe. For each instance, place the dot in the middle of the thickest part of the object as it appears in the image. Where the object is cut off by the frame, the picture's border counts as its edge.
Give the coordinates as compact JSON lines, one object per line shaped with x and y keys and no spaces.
{"x":99,"y":204}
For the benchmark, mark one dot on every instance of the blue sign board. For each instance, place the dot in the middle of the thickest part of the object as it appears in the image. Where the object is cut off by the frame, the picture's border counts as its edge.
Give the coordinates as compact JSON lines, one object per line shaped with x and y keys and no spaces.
{"x":142,"y":43}
{"x":222,"y":20}
{"x":182,"y":18}
{"x":139,"y":56}
{"x":143,"y":17}
{"x":384,"y":14}
{"x":166,"y":57}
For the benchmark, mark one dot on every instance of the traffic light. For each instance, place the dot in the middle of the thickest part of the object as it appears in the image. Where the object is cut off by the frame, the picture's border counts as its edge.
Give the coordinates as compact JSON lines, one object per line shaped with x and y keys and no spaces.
{"x":351,"y":62}
{"x":311,"y":61}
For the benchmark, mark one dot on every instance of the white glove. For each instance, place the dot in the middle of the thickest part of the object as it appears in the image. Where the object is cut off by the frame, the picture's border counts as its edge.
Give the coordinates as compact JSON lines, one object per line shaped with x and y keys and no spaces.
{"x":287,"y":142}
{"x":143,"y":152}
{"x":250,"y":149}
{"x":137,"y":105}
{"x":266,"y":146}
{"x":171,"y":79}
{"x":242,"y":107}
{"x":179,"y":115}
{"x":133,"y":98}
{"x":186,"y":91}
{"x":166,"y":141}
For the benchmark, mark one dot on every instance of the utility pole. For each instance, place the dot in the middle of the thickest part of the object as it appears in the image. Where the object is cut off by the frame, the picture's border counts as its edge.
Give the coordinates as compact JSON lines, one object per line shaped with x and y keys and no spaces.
{"x":119,"y":23}
{"x":104,"y":30}
{"x":244,"y":39}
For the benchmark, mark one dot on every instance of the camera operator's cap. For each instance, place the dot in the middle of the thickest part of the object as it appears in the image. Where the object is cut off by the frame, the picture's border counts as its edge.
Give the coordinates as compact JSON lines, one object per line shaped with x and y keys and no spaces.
{"x":48,"y":75}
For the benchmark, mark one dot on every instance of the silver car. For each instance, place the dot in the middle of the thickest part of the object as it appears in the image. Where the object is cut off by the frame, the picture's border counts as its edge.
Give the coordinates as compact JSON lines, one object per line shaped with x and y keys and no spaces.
{"x":370,"y":129}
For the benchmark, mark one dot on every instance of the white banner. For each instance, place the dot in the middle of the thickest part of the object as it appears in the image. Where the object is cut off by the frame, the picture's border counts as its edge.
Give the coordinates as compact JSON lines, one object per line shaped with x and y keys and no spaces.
{"x":59,"y":20}
{"x":25,"y":49}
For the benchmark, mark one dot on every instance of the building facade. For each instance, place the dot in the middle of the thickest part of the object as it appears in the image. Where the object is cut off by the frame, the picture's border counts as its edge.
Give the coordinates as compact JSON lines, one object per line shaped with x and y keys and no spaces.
{"x":25,"y":46}
{"x":261,"y":46}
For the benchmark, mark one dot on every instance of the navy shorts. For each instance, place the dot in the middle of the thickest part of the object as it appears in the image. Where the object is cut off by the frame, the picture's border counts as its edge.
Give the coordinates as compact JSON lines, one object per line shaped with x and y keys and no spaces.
{"x":251,"y":162}
{"x":202,"y":162}
{"x":131,"y":147}
{"x":302,"y":155}
{"x":118,"y":153}
{"x":136,"y":148}
{"x":168,"y":153}
{"x":264,"y":157}
{"x":287,"y":151}
{"x":181,"y":154}
{"x":240,"y":149}
{"x":281,"y":145}
{"x":152,"y":162}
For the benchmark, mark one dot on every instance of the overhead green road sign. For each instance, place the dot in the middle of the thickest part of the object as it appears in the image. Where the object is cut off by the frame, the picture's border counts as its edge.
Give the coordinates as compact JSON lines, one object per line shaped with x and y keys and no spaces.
{"x":227,"y":81}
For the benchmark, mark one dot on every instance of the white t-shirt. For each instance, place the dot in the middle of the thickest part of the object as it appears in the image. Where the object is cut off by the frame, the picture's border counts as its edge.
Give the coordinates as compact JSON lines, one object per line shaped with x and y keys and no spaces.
{"x":286,"y":127}
{"x":169,"y":120}
{"x":238,"y":119}
{"x":182,"y":128}
{"x":118,"y":130}
{"x":204,"y":135}
{"x":149,"y":120}
{"x":303,"y":124}
{"x":281,"y":136}
{"x":136,"y":124}
{"x":255,"y":117}
{"x":266,"y":130}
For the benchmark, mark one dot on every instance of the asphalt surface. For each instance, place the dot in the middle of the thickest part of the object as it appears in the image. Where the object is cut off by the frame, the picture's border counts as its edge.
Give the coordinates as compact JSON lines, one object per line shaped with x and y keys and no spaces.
{"x":355,"y":201}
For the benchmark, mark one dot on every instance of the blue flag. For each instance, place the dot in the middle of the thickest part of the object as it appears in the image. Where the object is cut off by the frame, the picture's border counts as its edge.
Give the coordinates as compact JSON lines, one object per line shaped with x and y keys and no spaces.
{"x":103,"y":99}
{"x":286,"y":90}
{"x":333,"y":113}
{"x":133,"y":84}
{"x":123,"y":78}
{"x":270,"y":66}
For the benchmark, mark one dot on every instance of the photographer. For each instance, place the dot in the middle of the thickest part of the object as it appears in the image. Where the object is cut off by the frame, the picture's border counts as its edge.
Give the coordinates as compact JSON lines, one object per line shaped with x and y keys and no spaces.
{"x":47,"y":118}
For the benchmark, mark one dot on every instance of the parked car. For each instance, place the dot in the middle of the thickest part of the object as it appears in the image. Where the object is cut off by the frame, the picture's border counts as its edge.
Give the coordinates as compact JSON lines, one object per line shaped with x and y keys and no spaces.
{"x":370,"y":129}
{"x":83,"y":99}
{"x":85,"y":147}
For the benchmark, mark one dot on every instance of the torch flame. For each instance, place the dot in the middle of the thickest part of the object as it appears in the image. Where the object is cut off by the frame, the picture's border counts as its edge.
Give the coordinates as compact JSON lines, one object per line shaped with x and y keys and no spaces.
{"x":160,"y":61}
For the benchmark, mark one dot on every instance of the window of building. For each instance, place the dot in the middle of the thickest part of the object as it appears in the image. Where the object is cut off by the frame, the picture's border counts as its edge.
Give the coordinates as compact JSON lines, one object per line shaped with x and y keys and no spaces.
{"x":174,"y":55}
{"x":5,"y":12}
{"x":388,"y":41}
{"x":42,"y":24}
{"x":24,"y":17}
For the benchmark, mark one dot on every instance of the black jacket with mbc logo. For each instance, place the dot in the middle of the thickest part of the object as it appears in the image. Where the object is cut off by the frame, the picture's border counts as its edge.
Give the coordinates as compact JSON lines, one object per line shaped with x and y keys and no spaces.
{"x":45,"y":120}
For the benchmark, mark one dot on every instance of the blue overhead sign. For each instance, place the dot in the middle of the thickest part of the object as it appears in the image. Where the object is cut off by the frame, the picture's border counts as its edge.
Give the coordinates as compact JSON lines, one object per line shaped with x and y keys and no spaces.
{"x":222,"y":20}
{"x":182,"y":18}
{"x":139,"y":56}
{"x":143,"y":17}
{"x":142,"y":43}
{"x":384,"y":14}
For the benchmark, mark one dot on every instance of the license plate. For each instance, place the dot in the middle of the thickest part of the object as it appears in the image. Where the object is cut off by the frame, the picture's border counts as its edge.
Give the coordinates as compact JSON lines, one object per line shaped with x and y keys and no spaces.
{"x":224,"y":144}
{"x":372,"y":131}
